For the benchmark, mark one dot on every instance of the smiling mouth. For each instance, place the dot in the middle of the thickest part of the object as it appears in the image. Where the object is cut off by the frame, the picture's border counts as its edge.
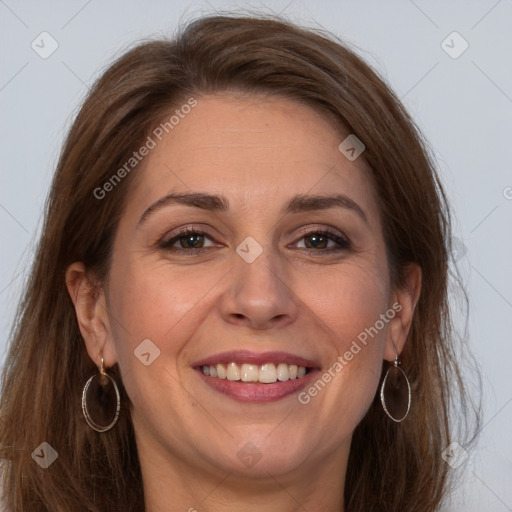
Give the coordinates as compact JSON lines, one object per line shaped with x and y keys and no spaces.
{"x":267,"y":373}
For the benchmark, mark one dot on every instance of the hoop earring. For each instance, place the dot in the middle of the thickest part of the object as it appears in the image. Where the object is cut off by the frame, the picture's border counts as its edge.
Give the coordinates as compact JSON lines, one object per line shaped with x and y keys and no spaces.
{"x":101,"y":401}
{"x":395,"y":392}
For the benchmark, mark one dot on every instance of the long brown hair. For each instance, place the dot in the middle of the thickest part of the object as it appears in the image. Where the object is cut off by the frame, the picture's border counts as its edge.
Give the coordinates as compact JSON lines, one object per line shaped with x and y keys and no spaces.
{"x":391,"y":466}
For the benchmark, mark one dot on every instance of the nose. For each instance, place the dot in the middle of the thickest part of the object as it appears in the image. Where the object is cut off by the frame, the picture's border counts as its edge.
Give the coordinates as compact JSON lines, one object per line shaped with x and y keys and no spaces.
{"x":259,"y":295}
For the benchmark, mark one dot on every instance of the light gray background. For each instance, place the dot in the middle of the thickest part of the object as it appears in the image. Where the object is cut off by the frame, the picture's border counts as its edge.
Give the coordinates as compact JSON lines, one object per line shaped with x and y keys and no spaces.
{"x":463,"y":106}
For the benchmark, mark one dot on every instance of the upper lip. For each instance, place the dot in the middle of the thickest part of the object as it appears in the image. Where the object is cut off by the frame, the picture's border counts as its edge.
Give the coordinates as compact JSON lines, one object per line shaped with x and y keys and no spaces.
{"x":259,"y":358}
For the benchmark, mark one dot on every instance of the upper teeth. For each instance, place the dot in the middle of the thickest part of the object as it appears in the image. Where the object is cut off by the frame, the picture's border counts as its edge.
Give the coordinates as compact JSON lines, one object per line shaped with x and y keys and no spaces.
{"x":246,"y":372}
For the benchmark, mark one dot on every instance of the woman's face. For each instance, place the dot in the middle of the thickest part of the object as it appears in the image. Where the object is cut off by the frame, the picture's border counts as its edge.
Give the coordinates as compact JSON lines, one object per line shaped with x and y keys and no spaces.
{"x":261,"y":290}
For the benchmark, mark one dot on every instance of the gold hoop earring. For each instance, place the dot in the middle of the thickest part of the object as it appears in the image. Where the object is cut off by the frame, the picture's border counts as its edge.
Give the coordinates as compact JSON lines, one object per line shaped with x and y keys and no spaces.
{"x":395,"y":392}
{"x":101,"y":401}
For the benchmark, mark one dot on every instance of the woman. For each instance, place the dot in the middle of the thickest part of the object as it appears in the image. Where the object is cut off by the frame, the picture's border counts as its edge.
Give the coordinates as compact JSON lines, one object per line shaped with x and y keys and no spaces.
{"x":239,"y":299}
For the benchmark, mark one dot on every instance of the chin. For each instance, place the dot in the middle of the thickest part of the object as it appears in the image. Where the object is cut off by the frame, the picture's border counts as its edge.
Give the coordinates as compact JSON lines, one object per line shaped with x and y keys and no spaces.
{"x":262,"y":454}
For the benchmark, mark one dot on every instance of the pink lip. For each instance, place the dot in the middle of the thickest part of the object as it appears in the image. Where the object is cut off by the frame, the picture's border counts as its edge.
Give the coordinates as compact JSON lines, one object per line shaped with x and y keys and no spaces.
{"x":256,"y":392}
{"x":247,"y":356}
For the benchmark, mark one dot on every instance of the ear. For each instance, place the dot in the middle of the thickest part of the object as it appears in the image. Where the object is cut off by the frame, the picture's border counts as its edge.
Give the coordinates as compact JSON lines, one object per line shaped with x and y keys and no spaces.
{"x":403,"y":302}
{"x":91,"y":312}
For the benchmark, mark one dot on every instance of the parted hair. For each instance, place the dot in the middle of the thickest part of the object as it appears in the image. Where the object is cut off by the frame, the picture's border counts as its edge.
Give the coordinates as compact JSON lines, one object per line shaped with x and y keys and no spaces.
{"x":392,"y":466}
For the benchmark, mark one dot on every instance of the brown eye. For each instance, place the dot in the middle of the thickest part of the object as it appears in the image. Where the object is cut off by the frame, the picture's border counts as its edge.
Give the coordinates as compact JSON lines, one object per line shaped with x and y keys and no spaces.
{"x":316,"y":241}
{"x":189,"y":240}
{"x":321,"y":239}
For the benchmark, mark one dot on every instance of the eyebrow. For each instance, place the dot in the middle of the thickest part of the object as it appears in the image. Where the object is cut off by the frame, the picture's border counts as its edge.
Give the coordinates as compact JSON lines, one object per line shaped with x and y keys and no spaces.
{"x":218,"y":203}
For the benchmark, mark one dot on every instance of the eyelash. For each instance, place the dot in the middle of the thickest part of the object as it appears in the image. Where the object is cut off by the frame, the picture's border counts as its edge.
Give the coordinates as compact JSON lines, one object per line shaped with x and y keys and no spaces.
{"x":343,"y":243}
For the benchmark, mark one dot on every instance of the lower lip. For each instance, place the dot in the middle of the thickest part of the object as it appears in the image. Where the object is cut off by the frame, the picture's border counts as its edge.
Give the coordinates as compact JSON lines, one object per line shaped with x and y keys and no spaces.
{"x":255,"y":391}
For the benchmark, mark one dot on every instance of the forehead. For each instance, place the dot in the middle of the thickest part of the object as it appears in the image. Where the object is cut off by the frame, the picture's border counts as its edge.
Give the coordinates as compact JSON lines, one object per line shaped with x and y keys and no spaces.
{"x":253,"y":149}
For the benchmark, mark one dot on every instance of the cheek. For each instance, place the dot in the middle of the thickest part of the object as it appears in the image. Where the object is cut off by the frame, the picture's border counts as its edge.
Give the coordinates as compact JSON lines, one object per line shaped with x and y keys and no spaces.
{"x":157,"y":303}
{"x":347,"y":300}
{"x":349,"y":303}
{"x":162,"y":305}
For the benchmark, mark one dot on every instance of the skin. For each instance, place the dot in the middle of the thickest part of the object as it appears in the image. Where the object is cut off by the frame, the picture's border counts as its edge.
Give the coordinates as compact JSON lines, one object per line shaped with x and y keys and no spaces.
{"x":296,"y":297}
